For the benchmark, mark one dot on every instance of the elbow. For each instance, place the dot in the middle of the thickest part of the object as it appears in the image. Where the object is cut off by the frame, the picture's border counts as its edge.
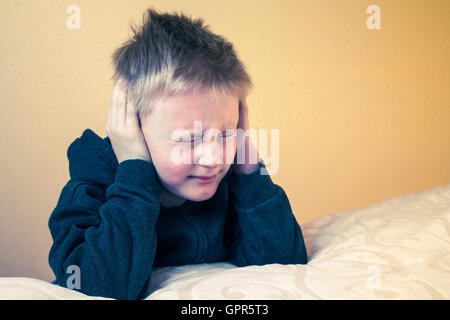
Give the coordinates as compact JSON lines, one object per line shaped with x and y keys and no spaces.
{"x":296,"y":256}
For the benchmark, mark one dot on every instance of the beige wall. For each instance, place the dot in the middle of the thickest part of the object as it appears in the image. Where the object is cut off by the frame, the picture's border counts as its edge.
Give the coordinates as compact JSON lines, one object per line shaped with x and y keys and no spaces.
{"x":363,"y":114}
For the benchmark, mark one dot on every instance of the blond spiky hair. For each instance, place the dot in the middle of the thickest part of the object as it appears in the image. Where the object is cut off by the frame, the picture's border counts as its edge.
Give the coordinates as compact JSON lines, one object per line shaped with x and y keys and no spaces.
{"x":172,"y":54}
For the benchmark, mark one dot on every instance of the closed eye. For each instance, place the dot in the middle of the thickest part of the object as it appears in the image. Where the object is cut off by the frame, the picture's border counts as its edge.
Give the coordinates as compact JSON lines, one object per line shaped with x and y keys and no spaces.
{"x":190,"y":140}
{"x":225,"y":134}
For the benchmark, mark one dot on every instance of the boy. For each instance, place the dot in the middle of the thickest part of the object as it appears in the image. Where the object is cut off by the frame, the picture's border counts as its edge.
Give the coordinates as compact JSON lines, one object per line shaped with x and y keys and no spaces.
{"x":160,"y":190}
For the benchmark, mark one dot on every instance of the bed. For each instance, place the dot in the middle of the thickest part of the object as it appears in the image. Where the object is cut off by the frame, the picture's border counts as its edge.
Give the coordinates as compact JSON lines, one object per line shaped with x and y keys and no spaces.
{"x":395,"y":249}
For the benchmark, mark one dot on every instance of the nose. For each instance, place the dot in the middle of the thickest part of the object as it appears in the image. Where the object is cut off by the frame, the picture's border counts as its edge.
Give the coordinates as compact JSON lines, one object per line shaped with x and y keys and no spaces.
{"x":210,"y":152}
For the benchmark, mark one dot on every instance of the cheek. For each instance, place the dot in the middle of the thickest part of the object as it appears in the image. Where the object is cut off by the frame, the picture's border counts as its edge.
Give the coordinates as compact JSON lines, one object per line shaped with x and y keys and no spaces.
{"x":178,"y":173}
{"x":172,"y":173}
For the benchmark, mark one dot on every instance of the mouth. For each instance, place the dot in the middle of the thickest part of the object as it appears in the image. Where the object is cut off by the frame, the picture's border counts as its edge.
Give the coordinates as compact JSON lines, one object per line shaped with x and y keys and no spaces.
{"x":204,"y":179}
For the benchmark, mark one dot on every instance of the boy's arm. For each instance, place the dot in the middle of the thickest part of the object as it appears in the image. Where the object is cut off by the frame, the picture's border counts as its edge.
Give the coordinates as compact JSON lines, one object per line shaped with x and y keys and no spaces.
{"x":261,"y":228}
{"x":110,"y":235}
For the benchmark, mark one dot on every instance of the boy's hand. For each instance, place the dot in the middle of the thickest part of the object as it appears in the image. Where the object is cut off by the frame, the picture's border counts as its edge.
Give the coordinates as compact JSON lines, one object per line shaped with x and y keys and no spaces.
{"x":247,"y":145}
{"x":123,"y":127}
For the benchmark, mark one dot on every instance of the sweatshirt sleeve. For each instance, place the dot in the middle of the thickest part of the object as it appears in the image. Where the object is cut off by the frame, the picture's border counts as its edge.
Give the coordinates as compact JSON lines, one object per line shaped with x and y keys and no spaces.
{"x":261,"y":228}
{"x":107,"y":233}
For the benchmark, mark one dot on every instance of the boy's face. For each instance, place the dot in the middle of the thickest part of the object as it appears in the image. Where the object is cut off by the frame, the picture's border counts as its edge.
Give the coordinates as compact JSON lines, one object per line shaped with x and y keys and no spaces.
{"x":208,"y":149}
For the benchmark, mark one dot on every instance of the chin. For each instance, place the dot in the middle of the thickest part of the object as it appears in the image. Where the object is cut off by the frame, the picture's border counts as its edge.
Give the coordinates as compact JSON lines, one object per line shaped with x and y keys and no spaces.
{"x":202,"y":195}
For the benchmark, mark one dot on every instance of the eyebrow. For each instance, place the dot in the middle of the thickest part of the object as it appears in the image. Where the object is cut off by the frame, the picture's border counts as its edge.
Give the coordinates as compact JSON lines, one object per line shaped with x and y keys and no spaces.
{"x":230,"y":125}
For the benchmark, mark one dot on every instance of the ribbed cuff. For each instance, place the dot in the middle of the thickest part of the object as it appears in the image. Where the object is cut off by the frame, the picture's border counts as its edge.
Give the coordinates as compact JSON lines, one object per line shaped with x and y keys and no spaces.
{"x":91,"y":159}
{"x":253,"y":188}
{"x":140,"y":173}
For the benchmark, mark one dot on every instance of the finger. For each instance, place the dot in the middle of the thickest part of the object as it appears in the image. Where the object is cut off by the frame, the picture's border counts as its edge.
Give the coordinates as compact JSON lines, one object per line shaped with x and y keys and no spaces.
{"x":108,"y":121}
{"x":121,"y":107}
{"x":125,"y":107}
{"x":112,"y":106}
{"x":139,"y":120}
{"x":241,"y":116}
{"x":243,"y":103}
{"x":132,"y":119}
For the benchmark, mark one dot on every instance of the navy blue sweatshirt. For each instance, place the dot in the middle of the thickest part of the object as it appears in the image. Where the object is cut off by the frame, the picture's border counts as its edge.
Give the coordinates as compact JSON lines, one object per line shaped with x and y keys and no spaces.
{"x":108,"y":222}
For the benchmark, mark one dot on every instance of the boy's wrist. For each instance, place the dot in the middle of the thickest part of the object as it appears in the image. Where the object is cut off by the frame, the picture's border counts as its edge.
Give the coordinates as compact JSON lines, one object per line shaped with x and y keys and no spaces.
{"x":253,"y":188}
{"x":138,"y":172}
